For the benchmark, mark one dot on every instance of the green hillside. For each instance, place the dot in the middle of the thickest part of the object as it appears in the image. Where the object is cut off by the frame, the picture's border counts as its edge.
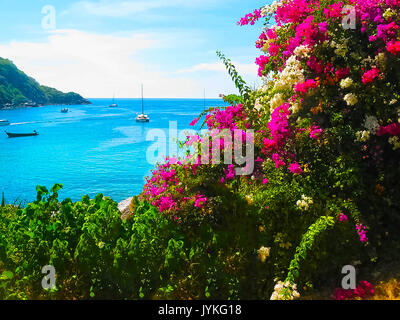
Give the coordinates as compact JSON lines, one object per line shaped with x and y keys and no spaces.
{"x":17,"y":88}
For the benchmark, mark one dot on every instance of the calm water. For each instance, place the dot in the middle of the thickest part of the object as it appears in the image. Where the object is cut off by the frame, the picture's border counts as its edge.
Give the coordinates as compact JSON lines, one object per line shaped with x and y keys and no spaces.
{"x":92,"y":149}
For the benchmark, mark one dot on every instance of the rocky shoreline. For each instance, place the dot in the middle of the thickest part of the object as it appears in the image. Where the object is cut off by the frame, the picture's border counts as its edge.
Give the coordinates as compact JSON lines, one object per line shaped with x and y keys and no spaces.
{"x":123,"y":206}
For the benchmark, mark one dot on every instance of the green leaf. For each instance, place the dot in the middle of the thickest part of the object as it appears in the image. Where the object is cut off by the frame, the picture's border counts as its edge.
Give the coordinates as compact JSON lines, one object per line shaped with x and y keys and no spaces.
{"x":56,"y":188}
{"x":6,"y":275}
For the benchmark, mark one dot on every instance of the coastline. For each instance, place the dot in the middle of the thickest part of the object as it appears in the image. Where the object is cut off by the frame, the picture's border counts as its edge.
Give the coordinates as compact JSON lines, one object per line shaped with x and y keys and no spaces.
{"x":44,"y":105}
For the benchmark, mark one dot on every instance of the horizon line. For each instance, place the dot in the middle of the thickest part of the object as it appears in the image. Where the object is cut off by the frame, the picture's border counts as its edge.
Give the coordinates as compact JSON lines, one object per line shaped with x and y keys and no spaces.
{"x":158,"y":98}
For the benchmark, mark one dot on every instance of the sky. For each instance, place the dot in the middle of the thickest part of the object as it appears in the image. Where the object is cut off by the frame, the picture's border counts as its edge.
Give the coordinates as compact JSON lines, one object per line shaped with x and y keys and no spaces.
{"x":101,"y":48}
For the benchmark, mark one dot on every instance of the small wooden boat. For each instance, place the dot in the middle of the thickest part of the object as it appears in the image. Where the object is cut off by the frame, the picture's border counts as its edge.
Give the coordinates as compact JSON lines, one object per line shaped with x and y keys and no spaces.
{"x":18,"y":135}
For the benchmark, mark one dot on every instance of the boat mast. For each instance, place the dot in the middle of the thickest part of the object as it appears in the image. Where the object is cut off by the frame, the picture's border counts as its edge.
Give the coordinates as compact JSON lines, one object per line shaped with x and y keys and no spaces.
{"x":142,"y":101}
{"x":204,"y":98}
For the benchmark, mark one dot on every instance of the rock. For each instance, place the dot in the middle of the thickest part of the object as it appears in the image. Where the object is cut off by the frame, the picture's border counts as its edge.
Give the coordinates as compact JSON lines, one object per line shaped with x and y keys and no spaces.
{"x":123,"y":206}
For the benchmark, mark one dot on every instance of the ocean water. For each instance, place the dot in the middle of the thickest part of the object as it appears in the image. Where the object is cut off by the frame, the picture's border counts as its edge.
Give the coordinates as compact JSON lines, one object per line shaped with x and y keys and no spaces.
{"x":92,"y":149}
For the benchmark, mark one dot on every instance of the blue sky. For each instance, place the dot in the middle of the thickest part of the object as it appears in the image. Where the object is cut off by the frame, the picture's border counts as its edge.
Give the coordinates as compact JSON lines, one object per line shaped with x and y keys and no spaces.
{"x":104,"y":47}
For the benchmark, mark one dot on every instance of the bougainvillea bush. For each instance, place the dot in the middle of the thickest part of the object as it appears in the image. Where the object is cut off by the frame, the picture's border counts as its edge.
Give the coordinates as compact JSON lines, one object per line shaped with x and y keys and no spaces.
{"x":324,"y":189}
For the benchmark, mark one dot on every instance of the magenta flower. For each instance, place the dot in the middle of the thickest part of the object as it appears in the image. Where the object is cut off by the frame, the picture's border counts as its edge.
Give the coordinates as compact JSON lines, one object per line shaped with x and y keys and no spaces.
{"x":305,"y":86}
{"x":315,"y":132}
{"x":370,"y":75}
{"x":193,"y":123}
{"x":362,"y":232}
{"x":295,"y":168}
{"x":393,"y":47}
{"x":200,"y":201}
{"x":343,"y":217}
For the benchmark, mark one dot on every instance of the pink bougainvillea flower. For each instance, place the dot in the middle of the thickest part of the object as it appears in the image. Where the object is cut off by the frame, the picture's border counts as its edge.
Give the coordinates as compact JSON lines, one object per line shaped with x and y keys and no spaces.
{"x":261,"y":61}
{"x":305,"y":86}
{"x":295,"y":168}
{"x":362,"y":232}
{"x":363,"y":290}
{"x":392,"y":129}
{"x":370,"y":75}
{"x":200,"y":201}
{"x":273,"y":49}
{"x":343,"y":217}
{"x":194,"y":121}
{"x":393,"y":47}
{"x":315,"y":132}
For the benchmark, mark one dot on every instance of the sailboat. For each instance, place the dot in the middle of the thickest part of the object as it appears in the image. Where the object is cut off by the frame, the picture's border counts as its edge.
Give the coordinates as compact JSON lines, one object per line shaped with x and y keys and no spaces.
{"x":142,"y":117}
{"x":113,"y":105}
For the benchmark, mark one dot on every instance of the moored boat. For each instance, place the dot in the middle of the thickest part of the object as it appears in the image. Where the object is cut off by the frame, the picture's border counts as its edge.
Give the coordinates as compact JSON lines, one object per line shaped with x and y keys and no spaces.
{"x":31,"y":104}
{"x":4,"y":123}
{"x":113,"y":105}
{"x":18,"y":135}
{"x":142,"y":117}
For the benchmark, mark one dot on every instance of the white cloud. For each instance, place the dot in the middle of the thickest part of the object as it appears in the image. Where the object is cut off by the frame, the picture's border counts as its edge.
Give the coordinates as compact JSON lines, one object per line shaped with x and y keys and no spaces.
{"x":118,"y":8}
{"x":96,"y":65}
{"x":243,"y":69}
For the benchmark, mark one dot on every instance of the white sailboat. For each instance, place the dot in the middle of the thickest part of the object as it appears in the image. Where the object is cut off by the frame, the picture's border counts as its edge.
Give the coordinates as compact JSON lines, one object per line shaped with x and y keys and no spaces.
{"x":142,"y":117}
{"x":113,"y":105}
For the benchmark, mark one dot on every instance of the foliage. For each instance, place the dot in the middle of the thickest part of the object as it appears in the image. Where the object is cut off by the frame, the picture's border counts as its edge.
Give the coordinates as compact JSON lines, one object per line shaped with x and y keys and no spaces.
{"x":17,"y":88}
{"x":95,"y":253}
{"x":233,"y":99}
{"x":237,"y":79}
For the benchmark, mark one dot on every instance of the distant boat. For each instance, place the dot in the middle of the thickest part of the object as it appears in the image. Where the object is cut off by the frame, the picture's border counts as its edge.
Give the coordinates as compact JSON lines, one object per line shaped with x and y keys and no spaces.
{"x":31,"y":104}
{"x":4,"y":123}
{"x":142,"y":117}
{"x":113,"y":105}
{"x":64,"y":110}
{"x":18,"y":135}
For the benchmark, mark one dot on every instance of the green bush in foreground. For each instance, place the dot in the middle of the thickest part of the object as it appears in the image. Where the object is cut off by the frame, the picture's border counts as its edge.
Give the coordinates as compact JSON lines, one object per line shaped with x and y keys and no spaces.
{"x":95,"y":253}
{"x":98,"y":255}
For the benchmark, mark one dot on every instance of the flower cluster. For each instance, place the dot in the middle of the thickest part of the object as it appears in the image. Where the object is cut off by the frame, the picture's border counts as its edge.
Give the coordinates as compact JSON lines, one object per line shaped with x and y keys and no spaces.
{"x":362,"y":291}
{"x":304,"y":203}
{"x":226,"y":118}
{"x":251,"y":18}
{"x":285,"y":291}
{"x":362,"y":232}
{"x":263,"y":253}
{"x":342,"y":217}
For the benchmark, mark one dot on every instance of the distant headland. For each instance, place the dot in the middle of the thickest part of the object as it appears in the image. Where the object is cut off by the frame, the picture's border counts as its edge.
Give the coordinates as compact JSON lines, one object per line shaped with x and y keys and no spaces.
{"x":17,"y":90}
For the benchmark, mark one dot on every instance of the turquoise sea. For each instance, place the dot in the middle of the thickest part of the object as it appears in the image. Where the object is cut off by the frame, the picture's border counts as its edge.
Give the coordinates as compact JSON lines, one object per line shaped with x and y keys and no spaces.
{"x":91,"y":149}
